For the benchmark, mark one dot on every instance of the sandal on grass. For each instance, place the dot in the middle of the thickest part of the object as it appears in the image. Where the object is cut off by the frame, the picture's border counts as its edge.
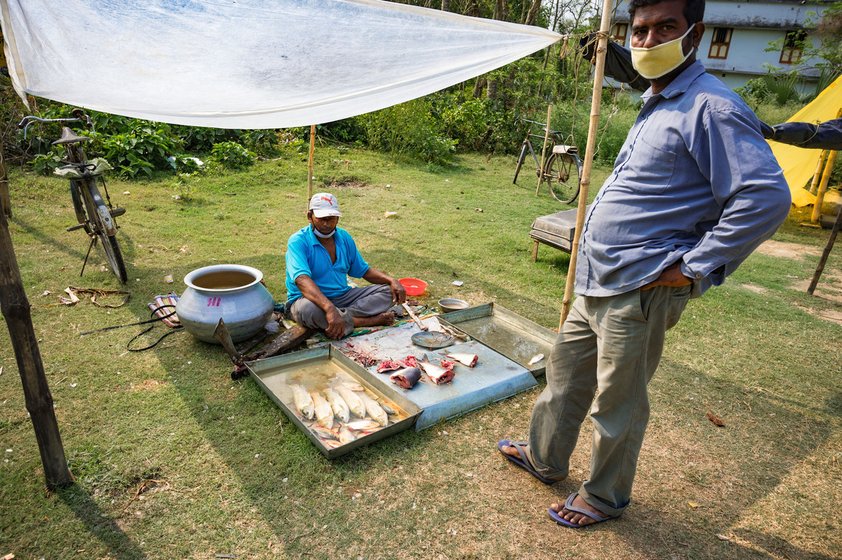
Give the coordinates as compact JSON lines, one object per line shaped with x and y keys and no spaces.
{"x":523,"y":460}
{"x":568,"y":505}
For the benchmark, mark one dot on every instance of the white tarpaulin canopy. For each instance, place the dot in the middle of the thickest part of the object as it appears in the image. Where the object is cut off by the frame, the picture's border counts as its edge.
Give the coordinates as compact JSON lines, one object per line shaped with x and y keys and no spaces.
{"x":248,"y":63}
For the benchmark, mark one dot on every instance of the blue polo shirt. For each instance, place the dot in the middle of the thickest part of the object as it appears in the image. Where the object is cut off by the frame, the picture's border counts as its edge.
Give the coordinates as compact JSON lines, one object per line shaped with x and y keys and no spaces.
{"x":305,"y":255}
{"x":695,"y":182}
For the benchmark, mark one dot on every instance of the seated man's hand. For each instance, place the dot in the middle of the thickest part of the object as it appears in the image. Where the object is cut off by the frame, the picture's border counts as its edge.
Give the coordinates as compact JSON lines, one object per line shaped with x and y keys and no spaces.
{"x":335,"y":323}
{"x":398,"y":291}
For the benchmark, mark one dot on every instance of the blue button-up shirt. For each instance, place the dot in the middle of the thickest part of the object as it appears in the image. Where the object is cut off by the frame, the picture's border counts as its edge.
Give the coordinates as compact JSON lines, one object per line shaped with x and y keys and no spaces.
{"x":305,"y":255}
{"x":695,"y":181}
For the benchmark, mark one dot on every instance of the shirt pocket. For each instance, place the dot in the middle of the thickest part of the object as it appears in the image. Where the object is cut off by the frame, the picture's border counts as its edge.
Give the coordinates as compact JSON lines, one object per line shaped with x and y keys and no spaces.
{"x":651,"y":168}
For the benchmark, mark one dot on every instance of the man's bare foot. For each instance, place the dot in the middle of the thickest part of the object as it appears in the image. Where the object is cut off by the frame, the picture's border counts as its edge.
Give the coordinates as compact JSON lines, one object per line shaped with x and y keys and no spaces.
{"x":577,"y":518}
{"x":382,"y":319}
{"x":510,"y":450}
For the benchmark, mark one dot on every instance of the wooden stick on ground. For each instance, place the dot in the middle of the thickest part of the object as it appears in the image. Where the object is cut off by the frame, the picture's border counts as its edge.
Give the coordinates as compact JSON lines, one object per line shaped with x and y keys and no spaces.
{"x":826,"y":253}
{"x":596,"y":101}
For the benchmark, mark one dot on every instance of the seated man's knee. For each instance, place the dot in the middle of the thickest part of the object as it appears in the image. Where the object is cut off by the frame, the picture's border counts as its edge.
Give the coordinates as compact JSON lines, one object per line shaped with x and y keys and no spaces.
{"x":308,"y":314}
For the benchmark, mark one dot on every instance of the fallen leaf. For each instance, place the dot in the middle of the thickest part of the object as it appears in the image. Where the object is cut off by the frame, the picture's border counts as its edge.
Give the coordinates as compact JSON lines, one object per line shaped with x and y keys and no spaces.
{"x":722,"y":537}
{"x":692,"y":505}
{"x":46,"y":293}
{"x":715,"y":419}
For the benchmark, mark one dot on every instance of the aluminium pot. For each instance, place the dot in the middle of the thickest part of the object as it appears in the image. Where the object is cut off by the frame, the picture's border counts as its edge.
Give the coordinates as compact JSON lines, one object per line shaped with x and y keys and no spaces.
{"x":232,"y":292}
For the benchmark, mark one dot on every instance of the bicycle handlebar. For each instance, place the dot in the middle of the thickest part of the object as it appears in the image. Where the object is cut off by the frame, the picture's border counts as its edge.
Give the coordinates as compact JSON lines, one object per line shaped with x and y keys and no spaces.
{"x":543,"y":126}
{"x":78,"y":116}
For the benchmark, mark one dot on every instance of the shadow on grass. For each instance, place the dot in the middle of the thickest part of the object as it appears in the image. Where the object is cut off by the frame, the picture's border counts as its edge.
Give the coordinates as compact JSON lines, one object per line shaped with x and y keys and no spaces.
{"x":737,"y":473}
{"x":100,"y":526}
{"x":750,"y":452}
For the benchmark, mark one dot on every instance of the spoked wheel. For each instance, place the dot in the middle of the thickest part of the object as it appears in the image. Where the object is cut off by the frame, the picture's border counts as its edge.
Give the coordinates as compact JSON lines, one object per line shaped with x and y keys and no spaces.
{"x":100,"y":221}
{"x":563,"y":173}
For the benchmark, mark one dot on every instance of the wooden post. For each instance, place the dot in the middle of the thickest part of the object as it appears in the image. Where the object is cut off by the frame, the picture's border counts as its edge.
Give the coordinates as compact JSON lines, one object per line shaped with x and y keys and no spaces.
{"x":830,"y":241}
{"x":5,"y":199}
{"x":544,"y":149}
{"x":39,"y":401}
{"x":814,"y":185}
{"x":828,"y":168}
{"x":310,"y":164}
{"x":587,"y":166}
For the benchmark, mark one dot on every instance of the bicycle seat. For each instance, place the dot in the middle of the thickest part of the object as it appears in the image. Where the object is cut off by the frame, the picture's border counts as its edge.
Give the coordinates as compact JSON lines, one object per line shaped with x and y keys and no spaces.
{"x":70,"y":137}
{"x":565,"y":149}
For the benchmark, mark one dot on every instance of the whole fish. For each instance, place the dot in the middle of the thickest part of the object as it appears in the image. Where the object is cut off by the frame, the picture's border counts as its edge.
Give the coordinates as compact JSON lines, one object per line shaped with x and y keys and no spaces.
{"x":436,"y":373}
{"x":323,"y":433}
{"x":338,"y":404}
{"x":352,"y":399}
{"x":303,"y":401}
{"x":406,"y":378}
{"x":360,"y":425}
{"x":346,"y":435}
{"x":469,"y":360}
{"x":373,"y":408}
{"x":324,"y":413}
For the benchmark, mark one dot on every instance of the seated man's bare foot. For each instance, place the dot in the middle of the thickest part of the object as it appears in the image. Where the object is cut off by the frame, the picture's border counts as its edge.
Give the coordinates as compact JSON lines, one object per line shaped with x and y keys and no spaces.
{"x":381,"y":319}
{"x":574,"y":517}
{"x":510,"y":450}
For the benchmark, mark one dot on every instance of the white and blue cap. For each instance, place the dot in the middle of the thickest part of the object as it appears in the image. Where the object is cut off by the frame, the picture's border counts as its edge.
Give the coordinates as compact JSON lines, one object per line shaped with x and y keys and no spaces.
{"x":324,"y":205}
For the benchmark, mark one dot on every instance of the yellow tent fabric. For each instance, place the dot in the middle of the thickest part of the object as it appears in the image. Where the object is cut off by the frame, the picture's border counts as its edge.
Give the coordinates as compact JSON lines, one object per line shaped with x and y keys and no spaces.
{"x":799,"y":164}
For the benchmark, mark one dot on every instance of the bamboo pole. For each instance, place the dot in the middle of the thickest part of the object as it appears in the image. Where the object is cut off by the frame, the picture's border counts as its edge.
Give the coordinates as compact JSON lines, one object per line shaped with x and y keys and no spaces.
{"x":828,"y":168}
{"x":587,"y":166}
{"x":39,"y":401}
{"x":544,"y":149}
{"x":5,"y":199}
{"x":310,"y":164}
{"x":814,"y":185}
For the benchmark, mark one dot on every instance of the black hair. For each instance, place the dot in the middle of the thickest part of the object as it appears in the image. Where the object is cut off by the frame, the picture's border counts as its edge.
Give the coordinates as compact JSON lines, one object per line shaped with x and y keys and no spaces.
{"x":694,"y":10}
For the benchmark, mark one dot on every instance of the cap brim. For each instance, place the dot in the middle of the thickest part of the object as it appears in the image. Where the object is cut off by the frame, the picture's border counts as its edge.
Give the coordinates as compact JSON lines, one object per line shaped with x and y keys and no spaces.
{"x":322,"y":213}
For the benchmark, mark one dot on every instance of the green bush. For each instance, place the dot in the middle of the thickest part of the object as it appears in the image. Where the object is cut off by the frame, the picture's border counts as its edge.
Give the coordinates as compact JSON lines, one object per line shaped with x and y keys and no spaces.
{"x":409,"y":129}
{"x":142,"y":149}
{"x":232,"y":155}
{"x":467,"y":122}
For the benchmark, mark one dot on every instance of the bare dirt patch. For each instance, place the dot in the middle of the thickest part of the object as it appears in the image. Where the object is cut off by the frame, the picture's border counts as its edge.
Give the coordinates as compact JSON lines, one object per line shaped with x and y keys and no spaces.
{"x":754,"y":288}
{"x":147,"y":385}
{"x":344,"y":183}
{"x":786,"y":250}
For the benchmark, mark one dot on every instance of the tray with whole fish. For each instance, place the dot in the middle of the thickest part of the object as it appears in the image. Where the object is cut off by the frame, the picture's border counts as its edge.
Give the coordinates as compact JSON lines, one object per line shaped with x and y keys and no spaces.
{"x":516,"y":337}
{"x":330,"y":398}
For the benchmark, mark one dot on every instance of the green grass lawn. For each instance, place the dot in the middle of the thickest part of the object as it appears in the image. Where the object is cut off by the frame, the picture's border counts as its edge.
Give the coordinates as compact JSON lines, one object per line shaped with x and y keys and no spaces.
{"x":173,"y":459}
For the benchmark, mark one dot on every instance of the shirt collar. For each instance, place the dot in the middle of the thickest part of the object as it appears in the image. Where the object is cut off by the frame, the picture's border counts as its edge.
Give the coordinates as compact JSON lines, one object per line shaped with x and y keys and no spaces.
{"x":680,"y":84}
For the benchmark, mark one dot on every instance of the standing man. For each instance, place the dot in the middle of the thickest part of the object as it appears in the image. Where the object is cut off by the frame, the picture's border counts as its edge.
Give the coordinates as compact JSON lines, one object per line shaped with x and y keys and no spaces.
{"x":319,"y":259}
{"x":695,"y":189}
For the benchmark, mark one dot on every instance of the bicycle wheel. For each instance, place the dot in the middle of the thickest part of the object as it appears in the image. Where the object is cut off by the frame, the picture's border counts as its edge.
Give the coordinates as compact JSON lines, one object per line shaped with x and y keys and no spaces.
{"x":103,"y":225}
{"x":563,"y":173}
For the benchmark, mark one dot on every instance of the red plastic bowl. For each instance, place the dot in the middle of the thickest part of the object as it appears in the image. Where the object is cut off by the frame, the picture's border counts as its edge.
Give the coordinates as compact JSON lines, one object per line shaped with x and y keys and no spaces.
{"x":413,"y":286}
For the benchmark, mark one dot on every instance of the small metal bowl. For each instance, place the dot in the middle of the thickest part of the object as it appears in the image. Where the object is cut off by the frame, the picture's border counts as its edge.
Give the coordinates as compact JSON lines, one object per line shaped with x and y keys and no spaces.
{"x":452,"y":304}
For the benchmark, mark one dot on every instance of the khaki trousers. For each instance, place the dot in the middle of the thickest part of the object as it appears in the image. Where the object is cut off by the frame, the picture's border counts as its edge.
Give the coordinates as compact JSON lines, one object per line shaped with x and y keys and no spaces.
{"x":608,"y":347}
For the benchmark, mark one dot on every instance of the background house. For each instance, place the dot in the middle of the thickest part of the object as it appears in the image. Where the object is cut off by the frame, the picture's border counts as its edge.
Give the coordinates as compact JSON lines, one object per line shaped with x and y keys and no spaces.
{"x":738,"y":35}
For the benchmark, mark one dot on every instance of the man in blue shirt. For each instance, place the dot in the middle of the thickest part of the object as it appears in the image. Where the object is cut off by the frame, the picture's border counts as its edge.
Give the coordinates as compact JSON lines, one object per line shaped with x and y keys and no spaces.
{"x":695,"y":189}
{"x":319,"y":259}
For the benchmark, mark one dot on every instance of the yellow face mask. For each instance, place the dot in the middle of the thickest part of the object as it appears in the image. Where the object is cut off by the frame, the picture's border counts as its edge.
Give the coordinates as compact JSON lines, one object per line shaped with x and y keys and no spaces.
{"x":662,"y":59}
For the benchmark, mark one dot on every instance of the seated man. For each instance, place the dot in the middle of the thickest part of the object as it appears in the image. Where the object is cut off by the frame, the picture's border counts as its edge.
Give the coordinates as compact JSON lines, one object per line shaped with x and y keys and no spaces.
{"x":319,"y":259}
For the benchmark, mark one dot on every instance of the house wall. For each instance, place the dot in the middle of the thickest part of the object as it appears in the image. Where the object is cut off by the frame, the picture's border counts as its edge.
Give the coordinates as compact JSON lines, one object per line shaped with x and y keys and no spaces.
{"x":755,"y":25}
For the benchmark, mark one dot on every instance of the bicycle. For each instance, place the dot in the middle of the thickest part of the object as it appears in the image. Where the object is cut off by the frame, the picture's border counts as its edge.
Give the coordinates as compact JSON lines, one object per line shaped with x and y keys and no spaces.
{"x":94,"y":214}
{"x":562,"y":168}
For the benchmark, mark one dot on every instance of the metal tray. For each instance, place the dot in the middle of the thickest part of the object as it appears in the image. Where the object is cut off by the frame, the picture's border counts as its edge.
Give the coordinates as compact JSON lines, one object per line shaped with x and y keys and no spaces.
{"x":314,"y":368}
{"x":510,"y":334}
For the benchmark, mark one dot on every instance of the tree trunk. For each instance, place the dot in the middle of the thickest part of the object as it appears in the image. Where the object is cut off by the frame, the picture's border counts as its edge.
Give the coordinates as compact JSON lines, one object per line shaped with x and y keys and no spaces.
{"x":39,"y":401}
{"x":445,"y":5}
{"x":472,"y":9}
{"x":532,"y":14}
{"x":491,"y":89}
{"x":500,"y":10}
{"x":479,"y":86}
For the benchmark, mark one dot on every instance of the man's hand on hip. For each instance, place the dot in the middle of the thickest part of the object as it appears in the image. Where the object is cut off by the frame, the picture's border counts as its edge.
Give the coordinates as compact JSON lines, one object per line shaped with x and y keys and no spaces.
{"x":671,"y":277}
